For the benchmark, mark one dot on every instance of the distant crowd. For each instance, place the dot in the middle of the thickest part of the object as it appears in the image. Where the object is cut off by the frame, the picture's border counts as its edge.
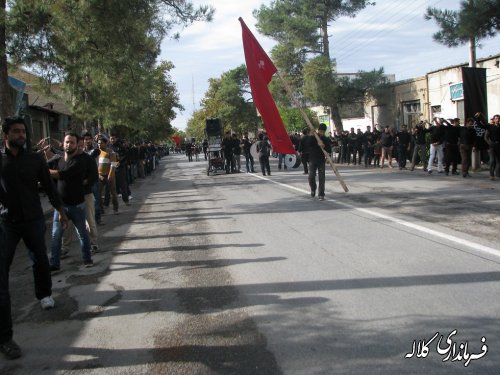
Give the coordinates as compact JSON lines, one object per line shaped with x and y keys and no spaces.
{"x":442,"y":145}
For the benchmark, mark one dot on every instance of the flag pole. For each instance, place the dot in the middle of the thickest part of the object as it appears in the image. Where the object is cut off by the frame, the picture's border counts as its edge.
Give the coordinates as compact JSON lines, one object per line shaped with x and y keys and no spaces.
{"x":311,"y":126}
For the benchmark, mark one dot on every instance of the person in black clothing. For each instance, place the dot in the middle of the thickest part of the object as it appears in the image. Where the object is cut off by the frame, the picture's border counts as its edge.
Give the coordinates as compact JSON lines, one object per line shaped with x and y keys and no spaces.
{"x":419,"y":146}
{"x":404,"y":140}
{"x":263,"y":148}
{"x":387,"y":140}
{"x":437,"y":132}
{"x":246,"y":145}
{"x":304,"y":150}
{"x":480,"y":144}
{"x":236,"y":153}
{"x":189,"y":151}
{"x":227,"y":149}
{"x":22,"y":217}
{"x":71,"y":176}
{"x":205,"y":148}
{"x":317,"y":160}
{"x":467,"y":139}
{"x":492,"y":137}
{"x":451,"y":152}
{"x":121,"y":170}
{"x":368,"y":143}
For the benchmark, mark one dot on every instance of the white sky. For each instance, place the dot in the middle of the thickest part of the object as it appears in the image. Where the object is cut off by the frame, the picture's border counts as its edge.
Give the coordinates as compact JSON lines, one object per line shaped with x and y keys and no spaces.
{"x":393,"y":34}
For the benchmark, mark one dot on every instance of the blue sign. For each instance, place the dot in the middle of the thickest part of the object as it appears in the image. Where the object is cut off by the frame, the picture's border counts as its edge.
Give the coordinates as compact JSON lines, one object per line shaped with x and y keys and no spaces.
{"x":457,"y":91}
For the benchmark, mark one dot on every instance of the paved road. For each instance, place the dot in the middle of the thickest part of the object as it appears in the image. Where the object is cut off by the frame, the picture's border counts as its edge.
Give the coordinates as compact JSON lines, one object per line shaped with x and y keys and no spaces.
{"x":240,"y":274}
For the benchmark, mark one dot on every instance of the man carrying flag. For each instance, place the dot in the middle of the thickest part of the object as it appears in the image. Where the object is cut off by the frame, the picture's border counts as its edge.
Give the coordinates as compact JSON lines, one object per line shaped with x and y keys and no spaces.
{"x":260,"y":72}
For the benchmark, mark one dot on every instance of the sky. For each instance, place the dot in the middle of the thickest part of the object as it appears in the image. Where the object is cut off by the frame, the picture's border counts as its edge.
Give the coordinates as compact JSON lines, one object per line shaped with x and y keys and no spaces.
{"x":392,"y":34}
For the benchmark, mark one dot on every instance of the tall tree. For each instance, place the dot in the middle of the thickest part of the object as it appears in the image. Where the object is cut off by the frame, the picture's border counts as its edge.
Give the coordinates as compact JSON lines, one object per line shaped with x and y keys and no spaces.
{"x":227,"y":98}
{"x":475,"y":20}
{"x":301,"y":29}
{"x":102,"y":51}
{"x":5,"y":99}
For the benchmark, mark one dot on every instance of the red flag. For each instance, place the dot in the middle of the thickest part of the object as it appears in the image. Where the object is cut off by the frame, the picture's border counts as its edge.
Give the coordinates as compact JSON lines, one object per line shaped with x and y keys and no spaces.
{"x":177,"y":139}
{"x":260,"y":71}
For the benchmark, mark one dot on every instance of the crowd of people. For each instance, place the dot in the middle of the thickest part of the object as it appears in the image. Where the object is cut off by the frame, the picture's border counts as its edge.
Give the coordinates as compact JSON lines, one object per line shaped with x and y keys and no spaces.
{"x":80,"y":175}
{"x":444,"y":141}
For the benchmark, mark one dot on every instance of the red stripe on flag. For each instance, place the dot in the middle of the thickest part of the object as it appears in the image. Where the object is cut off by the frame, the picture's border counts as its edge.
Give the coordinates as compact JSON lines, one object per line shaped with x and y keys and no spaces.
{"x":260,"y":72}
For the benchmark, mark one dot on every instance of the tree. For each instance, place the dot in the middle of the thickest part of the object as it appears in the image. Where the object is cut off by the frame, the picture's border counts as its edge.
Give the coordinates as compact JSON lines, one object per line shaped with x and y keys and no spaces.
{"x":5,"y":99}
{"x":227,"y":98}
{"x":476,"y":19}
{"x":100,"y":51}
{"x":301,"y":29}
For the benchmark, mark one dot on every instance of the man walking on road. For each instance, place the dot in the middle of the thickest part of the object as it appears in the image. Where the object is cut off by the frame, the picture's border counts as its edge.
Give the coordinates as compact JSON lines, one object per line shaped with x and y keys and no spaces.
{"x":70,"y":185}
{"x":317,"y":161}
{"x":22,"y":218}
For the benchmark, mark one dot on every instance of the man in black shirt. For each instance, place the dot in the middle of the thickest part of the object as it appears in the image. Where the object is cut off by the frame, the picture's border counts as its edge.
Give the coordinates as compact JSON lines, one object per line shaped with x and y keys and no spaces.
{"x":492,"y":137}
{"x":419,"y":146}
{"x":451,"y":153}
{"x":70,"y":185}
{"x":404,"y":140}
{"x":121,"y":170}
{"x":317,"y":160}
{"x":304,"y":150}
{"x":437,"y":139}
{"x":22,"y":217}
{"x":368,"y":143}
{"x":467,"y":139}
{"x":246,"y":144}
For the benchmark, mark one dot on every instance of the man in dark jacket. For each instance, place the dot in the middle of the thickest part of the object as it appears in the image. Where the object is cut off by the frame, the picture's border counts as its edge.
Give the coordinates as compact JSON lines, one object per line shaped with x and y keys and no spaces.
{"x":420,"y":146}
{"x":467,"y":139}
{"x":70,"y":185}
{"x":22,"y":217}
{"x":404,"y":139}
{"x":437,"y":139}
{"x":317,"y":160}
{"x":451,"y":153}
{"x":303,"y":150}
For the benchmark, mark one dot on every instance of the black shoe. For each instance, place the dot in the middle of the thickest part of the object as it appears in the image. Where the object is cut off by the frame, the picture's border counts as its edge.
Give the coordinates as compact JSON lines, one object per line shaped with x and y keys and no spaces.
{"x":10,"y":349}
{"x":88,"y":263}
{"x":447,"y":173}
{"x":455,"y":172}
{"x":313,"y":193}
{"x":429,"y":171}
{"x":321,"y":197}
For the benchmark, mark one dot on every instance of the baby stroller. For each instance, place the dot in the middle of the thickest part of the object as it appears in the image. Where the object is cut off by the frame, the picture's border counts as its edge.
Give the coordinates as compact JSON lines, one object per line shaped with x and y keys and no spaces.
{"x":213,"y":134}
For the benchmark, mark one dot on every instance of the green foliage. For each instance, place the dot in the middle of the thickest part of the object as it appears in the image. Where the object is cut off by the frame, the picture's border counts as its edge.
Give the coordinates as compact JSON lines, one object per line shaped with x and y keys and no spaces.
{"x":303,"y":53}
{"x":227,"y":98}
{"x":104,"y":53}
{"x":476,"y":19}
{"x":294,"y":121}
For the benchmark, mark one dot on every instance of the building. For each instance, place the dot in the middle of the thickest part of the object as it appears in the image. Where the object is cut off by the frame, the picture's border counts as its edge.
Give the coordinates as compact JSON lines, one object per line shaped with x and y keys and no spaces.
{"x":437,"y":94}
{"x":47,"y":115}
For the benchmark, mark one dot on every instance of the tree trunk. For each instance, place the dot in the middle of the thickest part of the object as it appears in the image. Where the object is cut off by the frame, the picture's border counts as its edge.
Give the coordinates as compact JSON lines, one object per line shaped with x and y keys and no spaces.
{"x":334,"y":108}
{"x":472,"y":52}
{"x":5,"y":98}
{"x":337,"y":120}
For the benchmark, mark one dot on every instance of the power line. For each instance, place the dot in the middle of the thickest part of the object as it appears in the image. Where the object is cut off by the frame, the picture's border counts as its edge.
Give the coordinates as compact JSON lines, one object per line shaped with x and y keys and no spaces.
{"x":377,"y":35}
{"x":383,"y":32}
{"x":368,"y":28}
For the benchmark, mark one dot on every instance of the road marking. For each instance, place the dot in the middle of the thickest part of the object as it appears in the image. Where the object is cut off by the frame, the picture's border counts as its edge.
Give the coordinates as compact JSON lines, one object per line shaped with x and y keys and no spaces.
{"x":420,"y":228}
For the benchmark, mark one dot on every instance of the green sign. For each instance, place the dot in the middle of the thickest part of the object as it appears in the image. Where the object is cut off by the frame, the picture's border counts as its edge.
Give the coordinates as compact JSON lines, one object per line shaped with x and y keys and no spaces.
{"x":457,"y":91}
